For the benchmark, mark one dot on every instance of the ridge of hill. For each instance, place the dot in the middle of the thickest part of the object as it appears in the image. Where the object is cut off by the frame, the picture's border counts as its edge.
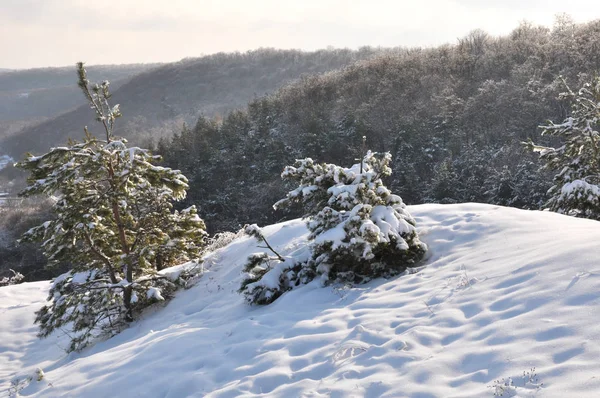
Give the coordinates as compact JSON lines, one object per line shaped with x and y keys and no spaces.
{"x":54,"y":77}
{"x":31,"y":94}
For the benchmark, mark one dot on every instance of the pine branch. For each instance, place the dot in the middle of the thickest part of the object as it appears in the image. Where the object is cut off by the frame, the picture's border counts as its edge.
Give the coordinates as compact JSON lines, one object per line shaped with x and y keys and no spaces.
{"x":104,"y":258}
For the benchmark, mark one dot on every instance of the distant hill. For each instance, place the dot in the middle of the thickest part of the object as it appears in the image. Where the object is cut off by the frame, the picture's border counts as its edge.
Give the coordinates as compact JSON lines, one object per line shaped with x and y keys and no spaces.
{"x":34,"y":94}
{"x":181,"y":91}
{"x":32,"y":79}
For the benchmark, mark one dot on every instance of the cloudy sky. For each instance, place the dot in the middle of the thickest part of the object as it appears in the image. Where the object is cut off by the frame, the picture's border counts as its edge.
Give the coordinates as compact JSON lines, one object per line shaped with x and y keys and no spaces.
{"x":36,"y":33}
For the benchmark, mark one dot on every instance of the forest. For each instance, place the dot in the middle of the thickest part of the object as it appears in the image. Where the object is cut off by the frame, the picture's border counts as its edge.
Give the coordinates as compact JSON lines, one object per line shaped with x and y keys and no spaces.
{"x":454,"y":118}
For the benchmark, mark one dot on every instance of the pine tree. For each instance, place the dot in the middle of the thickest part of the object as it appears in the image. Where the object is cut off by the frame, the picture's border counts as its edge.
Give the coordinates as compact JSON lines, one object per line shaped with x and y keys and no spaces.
{"x":576,"y":189}
{"x":359,"y":230}
{"x":114,"y":222}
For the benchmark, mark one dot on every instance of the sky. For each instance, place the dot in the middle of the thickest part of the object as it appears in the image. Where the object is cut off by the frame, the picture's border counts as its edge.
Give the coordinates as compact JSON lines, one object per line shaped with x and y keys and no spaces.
{"x":40,"y":33}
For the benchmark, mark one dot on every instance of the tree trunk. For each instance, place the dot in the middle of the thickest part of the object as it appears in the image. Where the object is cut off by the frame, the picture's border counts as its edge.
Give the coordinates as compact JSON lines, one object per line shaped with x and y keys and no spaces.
{"x":127,"y":293}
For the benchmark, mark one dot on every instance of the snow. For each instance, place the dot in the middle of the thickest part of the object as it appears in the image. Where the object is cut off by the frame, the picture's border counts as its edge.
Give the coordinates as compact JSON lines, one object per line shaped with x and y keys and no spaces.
{"x":83,"y":277}
{"x":335,"y":235}
{"x":173,"y":273}
{"x":307,"y":191}
{"x":154,"y":293}
{"x":271,"y":278}
{"x":501,"y":292}
{"x":579,"y":188}
{"x":253,"y":229}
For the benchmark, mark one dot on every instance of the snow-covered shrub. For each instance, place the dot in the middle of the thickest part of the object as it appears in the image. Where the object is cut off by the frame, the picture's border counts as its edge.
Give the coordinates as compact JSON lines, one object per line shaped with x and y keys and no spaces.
{"x":576,"y":189}
{"x":503,"y":387}
{"x":114,"y":222}
{"x":268,"y":276}
{"x":358,"y":228}
{"x":15,"y":279}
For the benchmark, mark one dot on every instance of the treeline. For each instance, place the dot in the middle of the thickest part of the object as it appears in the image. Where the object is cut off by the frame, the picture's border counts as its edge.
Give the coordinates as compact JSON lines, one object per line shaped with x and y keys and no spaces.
{"x":453,"y":118}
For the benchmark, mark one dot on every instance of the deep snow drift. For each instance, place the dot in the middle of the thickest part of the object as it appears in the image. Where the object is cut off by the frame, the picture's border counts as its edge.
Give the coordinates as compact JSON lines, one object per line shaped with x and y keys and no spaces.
{"x":502,"y":291}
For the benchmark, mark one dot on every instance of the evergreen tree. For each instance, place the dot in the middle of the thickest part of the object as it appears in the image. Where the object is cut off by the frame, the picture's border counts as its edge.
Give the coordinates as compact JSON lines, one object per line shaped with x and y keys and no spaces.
{"x":576,"y":189}
{"x":358,"y":228}
{"x":114,"y":222}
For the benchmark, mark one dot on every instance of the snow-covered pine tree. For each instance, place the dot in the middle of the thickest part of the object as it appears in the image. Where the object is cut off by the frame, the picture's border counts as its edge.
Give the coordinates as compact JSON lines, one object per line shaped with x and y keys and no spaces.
{"x":576,"y":189}
{"x":358,"y":228}
{"x":114,"y":222}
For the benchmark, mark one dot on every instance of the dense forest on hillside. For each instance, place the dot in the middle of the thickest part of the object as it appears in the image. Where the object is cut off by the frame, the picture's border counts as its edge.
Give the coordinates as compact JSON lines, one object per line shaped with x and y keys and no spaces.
{"x":158,"y":101}
{"x":453,"y":117}
{"x":31,"y":95}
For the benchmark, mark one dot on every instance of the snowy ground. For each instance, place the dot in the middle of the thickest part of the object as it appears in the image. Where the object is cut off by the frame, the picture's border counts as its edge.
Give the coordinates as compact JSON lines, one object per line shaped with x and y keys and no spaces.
{"x":503,"y":291}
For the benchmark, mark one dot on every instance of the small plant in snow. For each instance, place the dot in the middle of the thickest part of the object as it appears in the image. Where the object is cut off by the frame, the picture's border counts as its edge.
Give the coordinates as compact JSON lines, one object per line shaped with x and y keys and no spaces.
{"x":531,"y":379}
{"x":39,"y":374}
{"x":504,"y":387}
{"x":15,"y":279}
{"x":19,"y":383}
{"x":358,"y":228}
{"x":464,"y":280}
{"x":16,"y":385}
{"x":222,"y":239}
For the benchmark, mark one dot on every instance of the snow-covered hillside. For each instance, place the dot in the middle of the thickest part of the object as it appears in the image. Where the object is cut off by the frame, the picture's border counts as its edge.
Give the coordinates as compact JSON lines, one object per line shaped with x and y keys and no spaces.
{"x":502,"y":291}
